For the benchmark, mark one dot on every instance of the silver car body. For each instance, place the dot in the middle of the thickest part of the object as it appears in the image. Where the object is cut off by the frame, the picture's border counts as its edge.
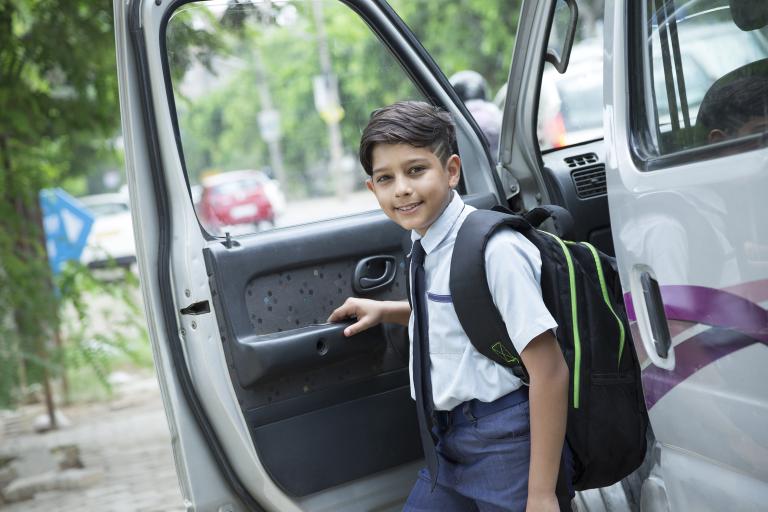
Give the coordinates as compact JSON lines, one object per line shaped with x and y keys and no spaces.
{"x":708,"y":399}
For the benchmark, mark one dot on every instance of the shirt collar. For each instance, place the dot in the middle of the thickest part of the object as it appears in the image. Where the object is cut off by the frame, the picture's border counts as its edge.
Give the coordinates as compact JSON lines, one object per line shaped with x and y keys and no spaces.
{"x":437,"y":232}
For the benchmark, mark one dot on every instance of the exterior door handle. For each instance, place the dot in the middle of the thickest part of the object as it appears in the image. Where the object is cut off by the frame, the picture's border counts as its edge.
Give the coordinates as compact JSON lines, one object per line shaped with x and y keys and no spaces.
{"x":373,"y":273}
{"x":662,"y":340}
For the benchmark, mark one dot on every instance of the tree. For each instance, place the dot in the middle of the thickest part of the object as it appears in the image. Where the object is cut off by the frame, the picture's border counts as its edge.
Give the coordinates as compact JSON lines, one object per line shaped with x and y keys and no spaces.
{"x":466,"y":34}
{"x":59,"y":119}
{"x":58,"y":114}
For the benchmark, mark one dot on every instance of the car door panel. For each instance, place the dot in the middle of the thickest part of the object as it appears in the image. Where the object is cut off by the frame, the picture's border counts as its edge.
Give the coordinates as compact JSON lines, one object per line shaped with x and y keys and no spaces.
{"x":340,"y":443}
{"x":322,"y":409}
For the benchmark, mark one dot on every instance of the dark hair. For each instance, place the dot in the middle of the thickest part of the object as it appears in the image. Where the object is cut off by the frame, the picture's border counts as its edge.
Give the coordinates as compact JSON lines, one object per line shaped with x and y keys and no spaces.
{"x":415,"y":123}
{"x":728,"y":106}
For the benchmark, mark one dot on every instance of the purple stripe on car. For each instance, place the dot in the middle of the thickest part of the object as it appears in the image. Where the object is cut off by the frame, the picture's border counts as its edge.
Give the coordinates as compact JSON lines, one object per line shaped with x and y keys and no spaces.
{"x":691,"y":356}
{"x":710,"y":306}
{"x":736,"y":323}
{"x":439,"y":298}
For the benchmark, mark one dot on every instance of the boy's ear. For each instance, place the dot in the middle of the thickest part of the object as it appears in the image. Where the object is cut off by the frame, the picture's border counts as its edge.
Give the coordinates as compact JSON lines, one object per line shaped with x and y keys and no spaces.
{"x":369,"y":184}
{"x":453,"y":166}
{"x":716,"y":136}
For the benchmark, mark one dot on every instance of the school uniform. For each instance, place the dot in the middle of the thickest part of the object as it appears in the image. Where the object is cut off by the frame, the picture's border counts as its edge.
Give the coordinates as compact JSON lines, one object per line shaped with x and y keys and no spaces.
{"x":479,"y":409}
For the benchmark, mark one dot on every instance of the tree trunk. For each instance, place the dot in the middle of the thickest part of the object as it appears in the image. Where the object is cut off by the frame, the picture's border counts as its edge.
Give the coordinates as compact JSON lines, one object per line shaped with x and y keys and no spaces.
{"x":32,"y":313}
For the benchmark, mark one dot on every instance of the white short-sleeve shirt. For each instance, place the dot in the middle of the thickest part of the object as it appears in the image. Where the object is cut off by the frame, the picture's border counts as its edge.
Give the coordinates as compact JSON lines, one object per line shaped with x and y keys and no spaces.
{"x":458,"y":371}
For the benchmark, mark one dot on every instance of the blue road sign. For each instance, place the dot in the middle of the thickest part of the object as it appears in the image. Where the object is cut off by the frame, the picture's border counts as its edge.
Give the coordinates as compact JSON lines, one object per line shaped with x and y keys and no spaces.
{"x":66,"y":223}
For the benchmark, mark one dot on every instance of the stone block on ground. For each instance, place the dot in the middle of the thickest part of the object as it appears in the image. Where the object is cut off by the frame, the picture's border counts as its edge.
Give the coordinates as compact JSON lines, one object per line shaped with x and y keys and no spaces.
{"x":68,"y":456}
{"x":7,"y":475}
{"x":35,"y":461}
{"x":71,"y":479}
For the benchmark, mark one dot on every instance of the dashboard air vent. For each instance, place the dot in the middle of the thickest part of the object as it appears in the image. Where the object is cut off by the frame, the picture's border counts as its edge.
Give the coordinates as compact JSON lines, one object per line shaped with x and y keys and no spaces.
{"x":589,"y":181}
{"x":581,"y":160}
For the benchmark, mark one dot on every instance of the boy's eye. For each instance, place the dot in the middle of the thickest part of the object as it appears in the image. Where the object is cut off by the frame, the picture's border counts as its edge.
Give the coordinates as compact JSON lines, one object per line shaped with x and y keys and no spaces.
{"x":416,"y":169}
{"x":381,"y":179}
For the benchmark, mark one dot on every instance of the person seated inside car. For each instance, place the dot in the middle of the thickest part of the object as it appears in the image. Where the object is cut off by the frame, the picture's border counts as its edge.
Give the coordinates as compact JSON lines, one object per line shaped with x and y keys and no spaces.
{"x":734,"y":108}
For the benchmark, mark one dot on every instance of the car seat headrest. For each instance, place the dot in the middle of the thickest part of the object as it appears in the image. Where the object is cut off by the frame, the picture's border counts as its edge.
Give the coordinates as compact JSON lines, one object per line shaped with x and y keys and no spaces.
{"x":749,"y":14}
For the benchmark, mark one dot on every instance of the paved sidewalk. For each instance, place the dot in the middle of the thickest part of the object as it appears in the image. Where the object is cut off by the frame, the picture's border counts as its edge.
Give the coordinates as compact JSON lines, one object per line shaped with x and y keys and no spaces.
{"x":126,"y":440}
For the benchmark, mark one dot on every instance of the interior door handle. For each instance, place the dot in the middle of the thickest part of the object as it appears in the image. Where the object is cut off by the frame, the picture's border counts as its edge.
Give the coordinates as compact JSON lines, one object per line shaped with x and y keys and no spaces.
{"x":373,"y":273}
{"x":662,"y":340}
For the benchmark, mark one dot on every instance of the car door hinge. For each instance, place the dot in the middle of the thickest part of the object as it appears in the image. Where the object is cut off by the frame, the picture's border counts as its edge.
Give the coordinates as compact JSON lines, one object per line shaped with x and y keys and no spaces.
{"x":508,"y":180}
{"x":198,"y":308}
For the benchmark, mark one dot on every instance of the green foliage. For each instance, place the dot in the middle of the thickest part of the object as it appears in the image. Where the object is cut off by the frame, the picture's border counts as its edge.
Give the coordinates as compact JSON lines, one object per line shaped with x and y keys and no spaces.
{"x":465,"y":34}
{"x":102,"y":327}
{"x":219,"y":126}
{"x":58,"y":116}
{"x":92,"y":306}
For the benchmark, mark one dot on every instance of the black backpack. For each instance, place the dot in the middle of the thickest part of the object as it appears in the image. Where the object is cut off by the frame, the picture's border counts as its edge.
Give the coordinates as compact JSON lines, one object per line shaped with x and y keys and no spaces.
{"x":607,"y":417}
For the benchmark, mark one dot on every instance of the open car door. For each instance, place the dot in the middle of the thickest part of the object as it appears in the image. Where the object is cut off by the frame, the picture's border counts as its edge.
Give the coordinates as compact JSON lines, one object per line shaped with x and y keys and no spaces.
{"x":270,"y":408}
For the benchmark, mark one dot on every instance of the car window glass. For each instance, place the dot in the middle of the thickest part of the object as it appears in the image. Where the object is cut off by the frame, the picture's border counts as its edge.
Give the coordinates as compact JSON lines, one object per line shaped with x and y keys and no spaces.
{"x":472,"y":42}
{"x":705,"y":73}
{"x":571,"y":104}
{"x":271,"y":98}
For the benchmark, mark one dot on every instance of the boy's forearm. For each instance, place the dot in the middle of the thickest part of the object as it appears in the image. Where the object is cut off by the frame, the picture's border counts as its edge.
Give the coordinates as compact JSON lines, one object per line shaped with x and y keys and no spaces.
{"x":548,"y":395}
{"x":397,"y":312}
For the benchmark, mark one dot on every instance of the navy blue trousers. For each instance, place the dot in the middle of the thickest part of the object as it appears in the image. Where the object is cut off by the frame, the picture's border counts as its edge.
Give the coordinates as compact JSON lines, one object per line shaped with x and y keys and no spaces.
{"x":483,"y":463}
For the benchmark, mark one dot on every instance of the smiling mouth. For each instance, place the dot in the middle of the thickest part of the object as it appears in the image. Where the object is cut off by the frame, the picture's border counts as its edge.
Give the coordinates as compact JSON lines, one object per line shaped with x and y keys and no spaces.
{"x":408,"y":207}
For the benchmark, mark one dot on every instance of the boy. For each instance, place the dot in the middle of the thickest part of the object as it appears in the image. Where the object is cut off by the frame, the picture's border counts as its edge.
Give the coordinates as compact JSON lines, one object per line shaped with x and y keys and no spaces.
{"x":497,"y":443}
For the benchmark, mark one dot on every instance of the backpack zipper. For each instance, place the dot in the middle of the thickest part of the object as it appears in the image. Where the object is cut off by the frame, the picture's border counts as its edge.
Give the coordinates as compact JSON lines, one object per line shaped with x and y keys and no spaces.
{"x":604,"y":289}
{"x":575,"y":319}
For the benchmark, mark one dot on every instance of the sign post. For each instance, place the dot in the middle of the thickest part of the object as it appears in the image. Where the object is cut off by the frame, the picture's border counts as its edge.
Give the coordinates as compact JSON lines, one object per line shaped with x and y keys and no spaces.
{"x":67,"y":225}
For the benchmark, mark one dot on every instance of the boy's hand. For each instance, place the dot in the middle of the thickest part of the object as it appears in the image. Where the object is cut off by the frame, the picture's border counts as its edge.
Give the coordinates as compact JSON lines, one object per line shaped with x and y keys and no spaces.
{"x":367,"y":312}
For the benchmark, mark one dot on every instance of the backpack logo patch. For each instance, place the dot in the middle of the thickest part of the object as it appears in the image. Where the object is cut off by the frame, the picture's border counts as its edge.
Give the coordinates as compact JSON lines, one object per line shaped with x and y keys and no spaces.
{"x":505,"y":354}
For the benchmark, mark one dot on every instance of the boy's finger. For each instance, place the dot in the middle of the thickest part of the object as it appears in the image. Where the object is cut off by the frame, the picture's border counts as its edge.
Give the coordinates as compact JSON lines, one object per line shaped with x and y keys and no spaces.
{"x":356,"y":327}
{"x":340,"y":313}
{"x":334,"y":316}
{"x":344,"y":311}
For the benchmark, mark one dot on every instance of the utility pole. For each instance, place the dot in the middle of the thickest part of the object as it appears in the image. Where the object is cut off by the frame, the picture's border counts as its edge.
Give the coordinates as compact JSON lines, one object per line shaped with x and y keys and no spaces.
{"x":328,"y":104}
{"x":269,"y":118}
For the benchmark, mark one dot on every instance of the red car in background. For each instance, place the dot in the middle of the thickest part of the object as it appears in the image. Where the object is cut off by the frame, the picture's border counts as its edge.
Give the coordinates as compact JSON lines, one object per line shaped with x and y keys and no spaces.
{"x":237,"y":202}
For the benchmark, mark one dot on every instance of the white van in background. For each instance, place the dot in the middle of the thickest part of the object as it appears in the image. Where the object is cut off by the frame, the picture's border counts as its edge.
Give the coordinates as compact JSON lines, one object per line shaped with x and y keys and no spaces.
{"x":271,"y":409}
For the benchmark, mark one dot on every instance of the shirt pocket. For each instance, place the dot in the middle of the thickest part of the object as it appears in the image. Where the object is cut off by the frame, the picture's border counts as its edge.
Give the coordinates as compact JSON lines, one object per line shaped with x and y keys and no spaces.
{"x":446,"y":337}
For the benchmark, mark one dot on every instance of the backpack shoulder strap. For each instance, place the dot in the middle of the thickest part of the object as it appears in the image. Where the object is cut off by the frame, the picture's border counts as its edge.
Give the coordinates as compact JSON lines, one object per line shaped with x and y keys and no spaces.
{"x":561,"y":218}
{"x":470,"y":293}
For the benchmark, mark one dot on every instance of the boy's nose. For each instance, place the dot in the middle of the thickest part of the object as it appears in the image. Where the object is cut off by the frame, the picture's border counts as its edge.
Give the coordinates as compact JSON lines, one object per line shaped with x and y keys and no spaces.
{"x":402,"y":188}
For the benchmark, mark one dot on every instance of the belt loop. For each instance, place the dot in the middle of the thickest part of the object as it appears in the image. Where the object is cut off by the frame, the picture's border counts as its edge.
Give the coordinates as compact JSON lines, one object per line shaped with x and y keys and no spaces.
{"x":467,"y":410}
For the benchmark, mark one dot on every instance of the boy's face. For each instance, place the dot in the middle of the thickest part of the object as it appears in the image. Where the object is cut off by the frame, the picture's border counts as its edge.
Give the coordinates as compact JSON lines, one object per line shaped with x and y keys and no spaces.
{"x":411,"y":184}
